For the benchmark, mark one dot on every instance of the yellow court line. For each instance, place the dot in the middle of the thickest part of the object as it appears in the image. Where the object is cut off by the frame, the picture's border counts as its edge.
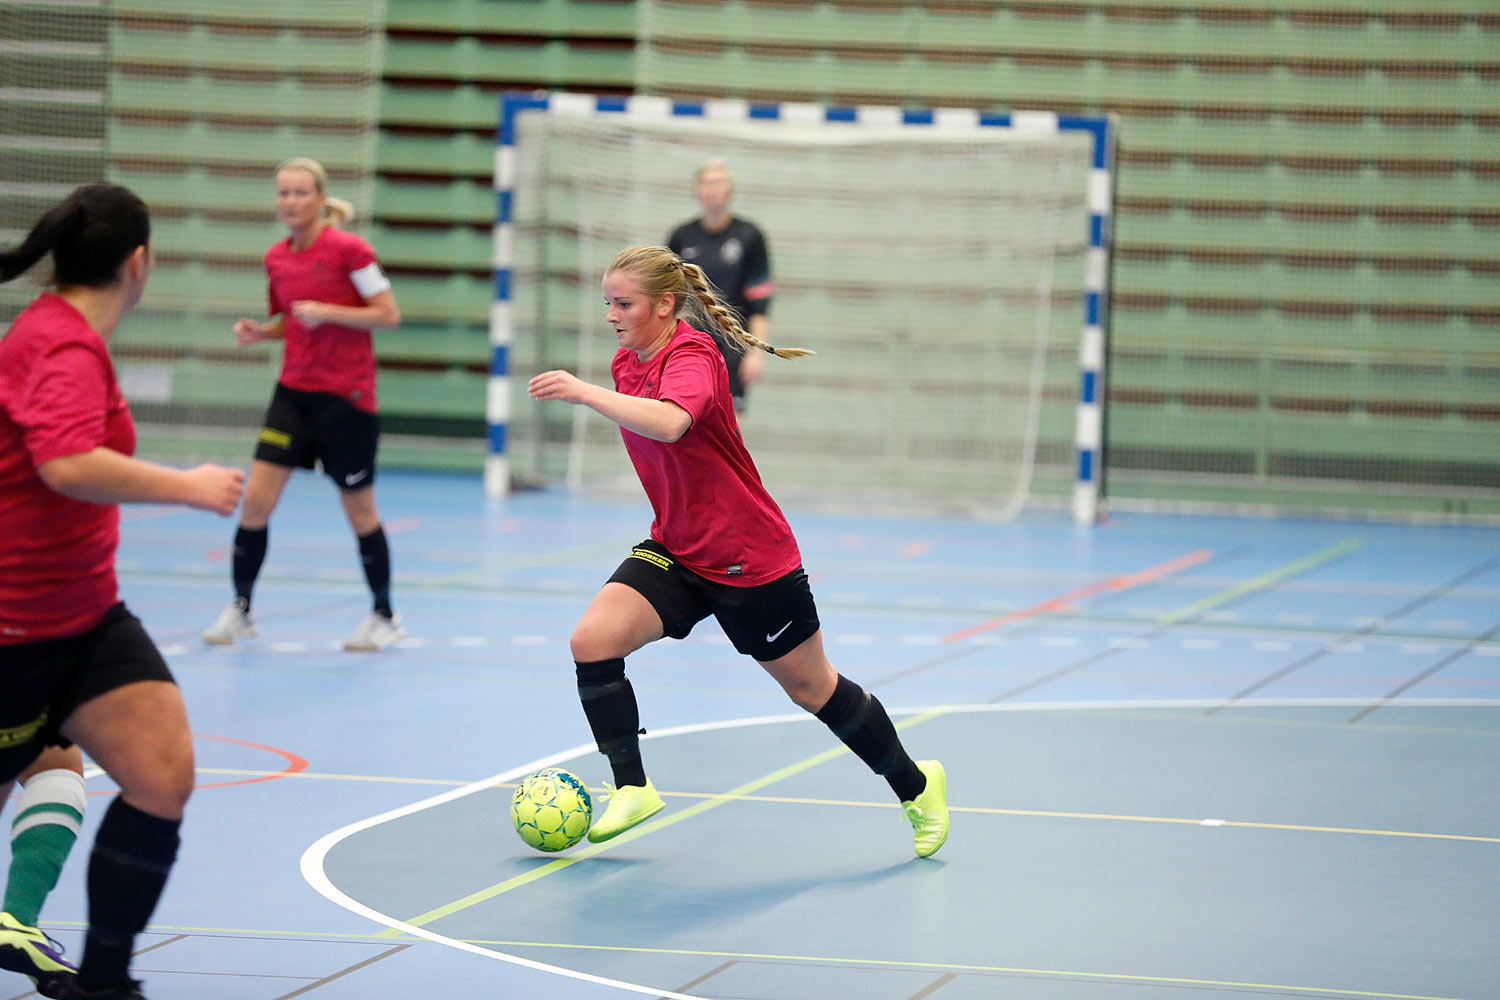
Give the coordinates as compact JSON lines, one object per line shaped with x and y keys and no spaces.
{"x":745,"y":793}
{"x":1244,"y":715}
{"x":252,"y":772}
{"x":719,"y":798}
{"x":591,"y":850}
{"x":1262,"y":581}
{"x":755,"y":956}
{"x":1117,"y":817}
{"x":959,"y":967}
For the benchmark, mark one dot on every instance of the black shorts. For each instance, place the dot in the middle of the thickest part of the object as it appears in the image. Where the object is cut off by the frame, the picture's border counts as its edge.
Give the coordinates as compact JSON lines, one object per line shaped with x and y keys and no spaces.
{"x":767,"y":621}
{"x":46,"y":680}
{"x":304,"y":427}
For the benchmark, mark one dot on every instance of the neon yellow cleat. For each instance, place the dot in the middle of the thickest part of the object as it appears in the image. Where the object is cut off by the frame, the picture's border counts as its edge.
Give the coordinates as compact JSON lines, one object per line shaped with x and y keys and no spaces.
{"x":32,"y":953}
{"x":629,"y":805}
{"x":928,"y":812}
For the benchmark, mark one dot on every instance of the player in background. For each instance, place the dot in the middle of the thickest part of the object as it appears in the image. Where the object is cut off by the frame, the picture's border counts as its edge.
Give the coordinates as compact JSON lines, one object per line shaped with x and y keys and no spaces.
{"x":737,"y":261}
{"x":76,"y":666}
{"x":719,"y":544}
{"x":326,"y":293}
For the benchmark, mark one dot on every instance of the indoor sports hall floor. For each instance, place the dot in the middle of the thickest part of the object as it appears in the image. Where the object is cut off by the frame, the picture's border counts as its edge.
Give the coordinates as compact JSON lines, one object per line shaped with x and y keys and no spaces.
{"x":1187,"y":756}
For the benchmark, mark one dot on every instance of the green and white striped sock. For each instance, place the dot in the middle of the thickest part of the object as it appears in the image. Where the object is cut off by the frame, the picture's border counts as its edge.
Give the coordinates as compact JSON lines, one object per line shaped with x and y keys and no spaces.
{"x":49,"y":812}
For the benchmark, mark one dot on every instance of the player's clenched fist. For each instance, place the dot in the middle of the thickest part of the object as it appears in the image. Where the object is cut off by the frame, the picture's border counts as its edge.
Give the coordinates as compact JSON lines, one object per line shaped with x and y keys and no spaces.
{"x":216,"y":488}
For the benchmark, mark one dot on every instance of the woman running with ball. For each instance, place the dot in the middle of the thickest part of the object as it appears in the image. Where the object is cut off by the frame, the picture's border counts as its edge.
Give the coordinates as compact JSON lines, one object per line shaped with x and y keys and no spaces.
{"x":719,"y":545}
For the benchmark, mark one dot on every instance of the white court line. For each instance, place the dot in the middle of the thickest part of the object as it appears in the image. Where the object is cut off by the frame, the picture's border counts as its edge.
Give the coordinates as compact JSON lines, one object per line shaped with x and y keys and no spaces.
{"x":314,"y":874}
{"x":312,"y":864}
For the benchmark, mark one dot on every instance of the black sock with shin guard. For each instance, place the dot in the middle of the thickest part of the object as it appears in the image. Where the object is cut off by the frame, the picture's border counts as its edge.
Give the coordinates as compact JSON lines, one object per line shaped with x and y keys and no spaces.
{"x":375,"y":557}
{"x":859,"y":719}
{"x":249,"y":552}
{"x":133,"y":853}
{"x":609,"y":702}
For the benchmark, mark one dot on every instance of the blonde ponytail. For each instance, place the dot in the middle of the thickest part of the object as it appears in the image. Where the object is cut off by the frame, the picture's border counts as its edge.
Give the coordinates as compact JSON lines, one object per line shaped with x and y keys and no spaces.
{"x":337,"y":211}
{"x":727,"y":321}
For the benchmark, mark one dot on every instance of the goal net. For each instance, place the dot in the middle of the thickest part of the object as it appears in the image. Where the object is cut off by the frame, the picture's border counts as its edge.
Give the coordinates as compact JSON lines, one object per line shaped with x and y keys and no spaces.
{"x":938,"y":272}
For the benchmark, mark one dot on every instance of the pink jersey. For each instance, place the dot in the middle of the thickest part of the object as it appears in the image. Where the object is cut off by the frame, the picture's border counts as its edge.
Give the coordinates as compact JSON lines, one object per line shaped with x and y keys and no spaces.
{"x":328,"y":358}
{"x":58,"y":397}
{"x":712,"y":512}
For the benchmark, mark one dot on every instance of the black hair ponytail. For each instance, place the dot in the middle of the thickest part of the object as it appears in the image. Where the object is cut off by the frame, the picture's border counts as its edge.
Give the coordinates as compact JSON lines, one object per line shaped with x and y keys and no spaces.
{"x":89,"y":234}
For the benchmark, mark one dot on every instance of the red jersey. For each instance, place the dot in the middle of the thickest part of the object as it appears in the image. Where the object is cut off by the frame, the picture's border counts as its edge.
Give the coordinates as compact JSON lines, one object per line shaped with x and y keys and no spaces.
{"x":58,"y":397}
{"x":712,"y":512}
{"x":339,"y":268}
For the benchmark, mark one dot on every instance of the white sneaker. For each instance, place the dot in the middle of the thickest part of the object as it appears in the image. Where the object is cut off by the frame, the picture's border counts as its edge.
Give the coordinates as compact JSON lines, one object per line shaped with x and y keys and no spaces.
{"x":234,"y":623}
{"x":376,"y":632}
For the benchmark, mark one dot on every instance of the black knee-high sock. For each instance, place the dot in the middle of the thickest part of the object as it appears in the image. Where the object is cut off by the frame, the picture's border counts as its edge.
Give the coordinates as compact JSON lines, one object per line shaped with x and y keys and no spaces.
{"x":860,"y":720}
{"x":375,"y":554}
{"x":249,"y":552}
{"x":133,"y":852}
{"x":609,"y":702}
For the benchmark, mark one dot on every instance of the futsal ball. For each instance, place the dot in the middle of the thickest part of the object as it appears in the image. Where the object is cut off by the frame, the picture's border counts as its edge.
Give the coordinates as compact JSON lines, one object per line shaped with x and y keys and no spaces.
{"x":552,"y":809}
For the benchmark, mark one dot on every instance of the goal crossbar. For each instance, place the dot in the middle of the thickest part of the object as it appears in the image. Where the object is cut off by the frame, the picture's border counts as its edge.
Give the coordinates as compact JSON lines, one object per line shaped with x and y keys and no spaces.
{"x":1101,"y":132}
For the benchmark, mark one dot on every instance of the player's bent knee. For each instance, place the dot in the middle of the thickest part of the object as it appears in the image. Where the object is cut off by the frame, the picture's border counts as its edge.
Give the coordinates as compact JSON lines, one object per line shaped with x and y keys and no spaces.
{"x":589,"y":646}
{"x":166,"y":798}
{"x":592,"y":640}
{"x":807,"y":697}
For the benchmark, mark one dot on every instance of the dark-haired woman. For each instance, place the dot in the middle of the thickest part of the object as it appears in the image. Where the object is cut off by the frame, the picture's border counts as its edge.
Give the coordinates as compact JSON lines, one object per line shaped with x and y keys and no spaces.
{"x":76,"y":666}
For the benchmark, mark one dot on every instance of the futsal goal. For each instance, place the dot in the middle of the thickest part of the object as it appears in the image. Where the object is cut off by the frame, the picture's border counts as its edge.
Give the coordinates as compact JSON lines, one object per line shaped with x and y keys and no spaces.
{"x":948,"y":267}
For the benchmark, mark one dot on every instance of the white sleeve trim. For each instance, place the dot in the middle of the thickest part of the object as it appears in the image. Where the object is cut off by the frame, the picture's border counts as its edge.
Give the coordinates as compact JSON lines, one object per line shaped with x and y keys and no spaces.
{"x":370,"y":280}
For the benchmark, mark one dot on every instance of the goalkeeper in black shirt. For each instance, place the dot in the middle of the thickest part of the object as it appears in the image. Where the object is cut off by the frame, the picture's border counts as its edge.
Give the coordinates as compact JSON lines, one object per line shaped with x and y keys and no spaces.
{"x":733,"y":254}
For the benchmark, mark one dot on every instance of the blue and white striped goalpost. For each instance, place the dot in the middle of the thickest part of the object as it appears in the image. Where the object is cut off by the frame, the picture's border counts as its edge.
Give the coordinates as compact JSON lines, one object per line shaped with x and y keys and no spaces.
{"x":1088,"y":492}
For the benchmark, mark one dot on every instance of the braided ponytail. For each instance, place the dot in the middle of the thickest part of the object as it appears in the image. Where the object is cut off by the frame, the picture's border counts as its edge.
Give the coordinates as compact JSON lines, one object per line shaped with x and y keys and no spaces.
{"x":728,"y":322}
{"x":660,"y":271}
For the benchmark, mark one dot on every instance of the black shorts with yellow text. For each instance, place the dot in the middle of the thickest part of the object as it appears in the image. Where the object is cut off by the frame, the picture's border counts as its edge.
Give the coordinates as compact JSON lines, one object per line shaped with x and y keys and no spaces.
{"x":47,"y":679}
{"x":766,"y":621}
{"x":302,"y":428}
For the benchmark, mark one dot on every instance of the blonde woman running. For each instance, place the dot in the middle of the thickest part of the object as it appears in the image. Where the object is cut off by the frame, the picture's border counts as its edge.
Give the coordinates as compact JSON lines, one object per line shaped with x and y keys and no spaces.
{"x":719,"y":545}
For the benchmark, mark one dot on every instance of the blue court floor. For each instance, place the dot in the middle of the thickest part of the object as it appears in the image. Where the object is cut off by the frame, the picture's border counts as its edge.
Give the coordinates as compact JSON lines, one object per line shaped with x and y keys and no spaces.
{"x":1187,"y":756}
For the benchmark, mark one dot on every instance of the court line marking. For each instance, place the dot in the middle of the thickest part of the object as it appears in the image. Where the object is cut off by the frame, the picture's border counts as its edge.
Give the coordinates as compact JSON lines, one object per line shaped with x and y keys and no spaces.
{"x":314,"y":873}
{"x":1172,"y":619}
{"x":1263,"y":581}
{"x":312,"y":863}
{"x":1116,"y":817}
{"x":1427,"y":597}
{"x":294,"y":764}
{"x":1431,"y":671}
{"x":328,"y":776}
{"x":710,"y":800}
{"x":1064,"y":602}
{"x":336,"y":937}
{"x":990,"y":969}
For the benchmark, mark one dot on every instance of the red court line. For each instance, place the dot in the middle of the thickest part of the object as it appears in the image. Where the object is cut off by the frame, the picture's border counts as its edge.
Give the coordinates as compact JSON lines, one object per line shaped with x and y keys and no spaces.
{"x":294,"y":763}
{"x":1064,"y":602}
